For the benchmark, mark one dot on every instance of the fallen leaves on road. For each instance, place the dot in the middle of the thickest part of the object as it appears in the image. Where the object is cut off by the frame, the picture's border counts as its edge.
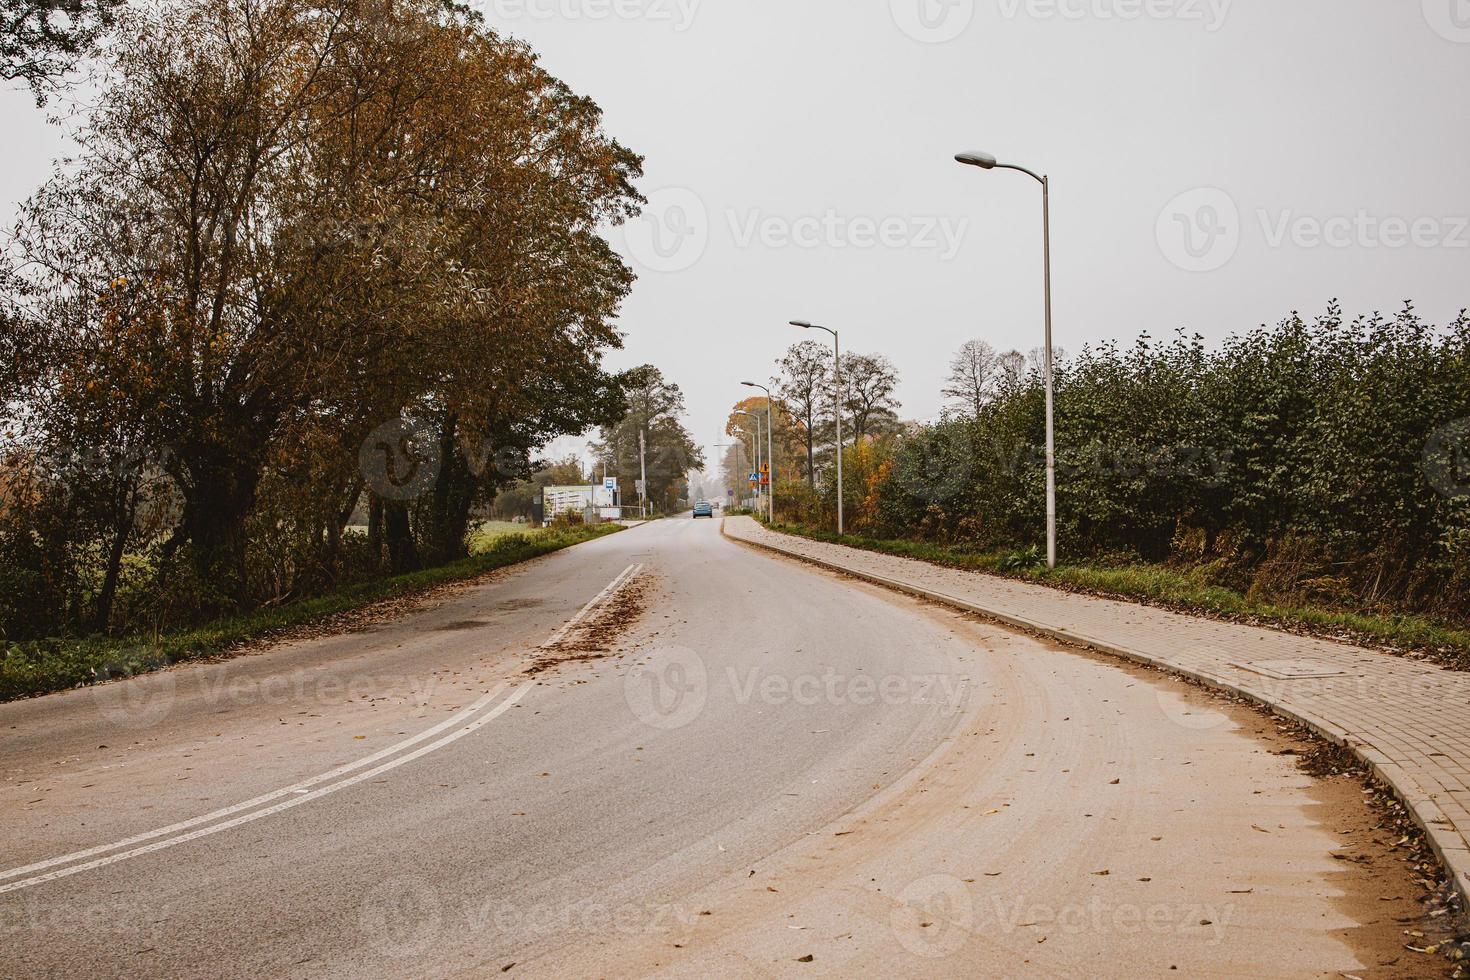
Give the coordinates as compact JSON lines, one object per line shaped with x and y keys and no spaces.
{"x":594,"y":639}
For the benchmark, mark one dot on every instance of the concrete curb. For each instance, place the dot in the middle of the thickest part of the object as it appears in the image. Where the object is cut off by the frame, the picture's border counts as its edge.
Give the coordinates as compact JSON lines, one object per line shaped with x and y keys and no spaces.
{"x":1446,"y":842}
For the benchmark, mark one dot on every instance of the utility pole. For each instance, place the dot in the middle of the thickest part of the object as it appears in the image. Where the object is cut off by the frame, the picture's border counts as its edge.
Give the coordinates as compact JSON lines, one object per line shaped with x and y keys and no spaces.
{"x":758,"y":422}
{"x":770,"y":444}
{"x":643,"y":472}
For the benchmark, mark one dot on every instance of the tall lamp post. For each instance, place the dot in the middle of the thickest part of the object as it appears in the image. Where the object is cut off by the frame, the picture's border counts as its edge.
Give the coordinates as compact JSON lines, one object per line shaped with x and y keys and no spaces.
{"x":752,"y":415}
{"x":740,"y":434}
{"x":770,"y":443}
{"x":837,"y":362}
{"x":987,"y":161}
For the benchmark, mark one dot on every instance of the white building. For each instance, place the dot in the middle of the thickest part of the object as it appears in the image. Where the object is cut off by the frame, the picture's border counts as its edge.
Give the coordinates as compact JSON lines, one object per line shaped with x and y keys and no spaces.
{"x":594,"y":502}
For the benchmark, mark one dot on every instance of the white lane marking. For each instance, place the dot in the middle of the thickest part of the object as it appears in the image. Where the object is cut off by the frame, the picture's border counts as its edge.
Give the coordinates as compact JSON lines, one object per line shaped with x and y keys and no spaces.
{"x":474,"y":726}
{"x":626,"y":576}
{"x":301,"y":791}
{"x":296,"y":788}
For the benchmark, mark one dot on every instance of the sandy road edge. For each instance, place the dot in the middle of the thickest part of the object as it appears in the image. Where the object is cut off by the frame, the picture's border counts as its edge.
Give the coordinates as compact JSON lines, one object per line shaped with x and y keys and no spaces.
{"x":1447,"y":844}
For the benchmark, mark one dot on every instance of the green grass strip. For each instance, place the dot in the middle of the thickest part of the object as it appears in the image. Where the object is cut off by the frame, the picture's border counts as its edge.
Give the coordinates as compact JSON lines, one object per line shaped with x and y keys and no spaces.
{"x":42,"y":666}
{"x":1183,"y":590}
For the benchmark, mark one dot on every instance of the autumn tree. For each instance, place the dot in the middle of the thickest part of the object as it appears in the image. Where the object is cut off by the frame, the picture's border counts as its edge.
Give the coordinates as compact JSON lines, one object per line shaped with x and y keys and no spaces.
{"x":41,"y":40}
{"x":308,"y":220}
{"x":972,"y":377}
{"x":651,"y":437}
{"x":805,"y":385}
{"x":868,"y":383}
{"x":789,"y":442}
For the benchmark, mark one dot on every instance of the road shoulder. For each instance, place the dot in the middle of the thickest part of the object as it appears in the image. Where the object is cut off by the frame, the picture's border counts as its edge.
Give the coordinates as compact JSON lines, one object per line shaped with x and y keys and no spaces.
{"x":1410,"y":723}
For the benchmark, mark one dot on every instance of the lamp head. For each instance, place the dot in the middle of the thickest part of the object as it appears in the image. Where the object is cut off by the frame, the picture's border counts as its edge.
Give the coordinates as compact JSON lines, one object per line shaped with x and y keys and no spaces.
{"x":978,"y":158}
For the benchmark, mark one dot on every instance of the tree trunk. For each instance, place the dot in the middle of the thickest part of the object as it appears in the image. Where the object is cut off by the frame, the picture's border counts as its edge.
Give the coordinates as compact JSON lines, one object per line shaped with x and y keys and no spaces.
{"x":334,"y":532}
{"x":403,"y":553}
{"x":375,"y":529}
{"x":121,"y":530}
{"x":453,"y":497}
{"x":220,"y":497}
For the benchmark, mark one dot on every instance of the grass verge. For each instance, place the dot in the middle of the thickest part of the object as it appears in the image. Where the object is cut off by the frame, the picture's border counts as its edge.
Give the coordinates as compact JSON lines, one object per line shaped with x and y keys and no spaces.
{"x":484,"y":536}
{"x":1184,"y":590}
{"x":43,"y":666}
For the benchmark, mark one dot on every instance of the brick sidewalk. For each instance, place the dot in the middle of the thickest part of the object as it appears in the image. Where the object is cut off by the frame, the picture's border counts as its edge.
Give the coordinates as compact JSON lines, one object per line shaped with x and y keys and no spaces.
{"x":1409,"y":721}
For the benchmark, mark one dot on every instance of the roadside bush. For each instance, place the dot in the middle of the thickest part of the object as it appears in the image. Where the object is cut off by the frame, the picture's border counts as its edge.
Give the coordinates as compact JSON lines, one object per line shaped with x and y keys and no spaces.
{"x":1291,"y":461}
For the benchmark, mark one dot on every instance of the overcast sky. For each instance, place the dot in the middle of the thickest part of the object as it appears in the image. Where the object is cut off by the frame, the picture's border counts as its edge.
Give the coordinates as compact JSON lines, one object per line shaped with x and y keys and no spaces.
{"x":1216,"y":164}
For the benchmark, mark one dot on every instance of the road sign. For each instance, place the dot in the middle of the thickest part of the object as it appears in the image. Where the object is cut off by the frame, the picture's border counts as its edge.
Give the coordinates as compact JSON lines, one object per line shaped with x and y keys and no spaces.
{"x":610,"y":484}
{"x":641,"y":486}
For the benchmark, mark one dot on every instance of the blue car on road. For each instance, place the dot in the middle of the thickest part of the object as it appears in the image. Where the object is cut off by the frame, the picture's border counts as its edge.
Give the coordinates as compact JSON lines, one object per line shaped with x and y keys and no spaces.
{"x":704,"y":509}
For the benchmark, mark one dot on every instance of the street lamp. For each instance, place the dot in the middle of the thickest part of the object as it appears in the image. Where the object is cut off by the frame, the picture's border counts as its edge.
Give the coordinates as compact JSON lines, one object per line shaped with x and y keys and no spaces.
{"x":740,"y":434}
{"x":987,"y":161}
{"x":837,"y":349}
{"x":752,"y":415}
{"x":770,"y":442}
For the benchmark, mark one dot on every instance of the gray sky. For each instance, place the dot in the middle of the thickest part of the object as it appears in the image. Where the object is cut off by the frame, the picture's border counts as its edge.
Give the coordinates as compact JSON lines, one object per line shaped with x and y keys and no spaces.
{"x":1216,"y":164}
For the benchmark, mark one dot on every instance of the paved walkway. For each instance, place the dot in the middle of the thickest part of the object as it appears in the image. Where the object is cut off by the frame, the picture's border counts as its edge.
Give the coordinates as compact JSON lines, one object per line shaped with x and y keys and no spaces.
{"x":1409,"y":721}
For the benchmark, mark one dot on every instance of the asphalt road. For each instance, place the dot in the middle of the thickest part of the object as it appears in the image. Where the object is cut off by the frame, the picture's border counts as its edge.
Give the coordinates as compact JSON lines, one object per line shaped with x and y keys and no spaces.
{"x":663,"y":752}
